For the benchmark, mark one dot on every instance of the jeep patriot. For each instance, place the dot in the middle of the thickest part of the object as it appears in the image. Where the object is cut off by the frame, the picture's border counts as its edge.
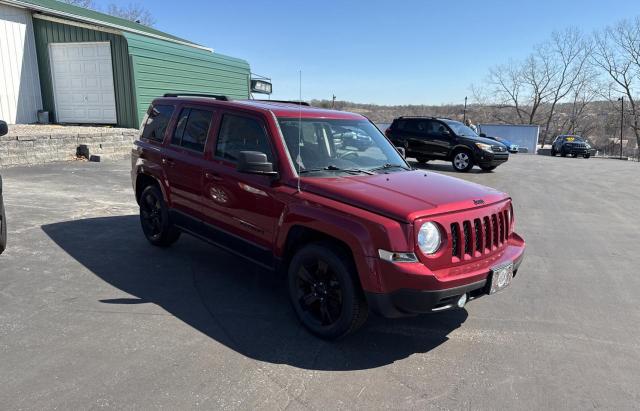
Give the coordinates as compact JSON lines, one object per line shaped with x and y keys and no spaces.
{"x":354,"y":230}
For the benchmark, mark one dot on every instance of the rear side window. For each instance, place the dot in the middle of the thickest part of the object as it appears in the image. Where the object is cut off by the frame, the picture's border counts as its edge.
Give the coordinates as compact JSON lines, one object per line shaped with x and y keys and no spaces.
{"x":158,"y":118}
{"x":238,"y":134}
{"x":192,"y":129}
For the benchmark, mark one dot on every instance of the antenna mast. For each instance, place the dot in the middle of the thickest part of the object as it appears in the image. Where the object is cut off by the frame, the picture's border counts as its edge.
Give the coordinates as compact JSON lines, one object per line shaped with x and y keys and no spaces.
{"x":298,"y":159}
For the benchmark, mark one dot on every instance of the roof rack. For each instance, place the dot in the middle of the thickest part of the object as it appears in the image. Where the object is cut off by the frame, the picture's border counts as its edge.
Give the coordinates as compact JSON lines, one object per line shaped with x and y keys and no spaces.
{"x":299,"y":103}
{"x":214,"y":96}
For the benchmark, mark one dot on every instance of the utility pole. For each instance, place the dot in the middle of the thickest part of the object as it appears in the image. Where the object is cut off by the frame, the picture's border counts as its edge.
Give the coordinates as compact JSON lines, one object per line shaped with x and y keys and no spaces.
{"x":621,"y":100}
{"x":465,"y":110}
{"x":333,"y":102}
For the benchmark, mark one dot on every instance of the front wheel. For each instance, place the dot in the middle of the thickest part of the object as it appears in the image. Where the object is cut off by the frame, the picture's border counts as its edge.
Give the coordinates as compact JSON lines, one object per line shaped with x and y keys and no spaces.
{"x":324,"y":291}
{"x":3,"y":227}
{"x":155,"y":220}
{"x":462,"y":161}
{"x":553,"y":152}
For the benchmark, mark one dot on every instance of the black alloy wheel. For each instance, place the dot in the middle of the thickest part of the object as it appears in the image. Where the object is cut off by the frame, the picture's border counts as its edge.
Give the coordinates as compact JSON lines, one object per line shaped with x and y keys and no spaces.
{"x":324,"y":293}
{"x":3,"y":227}
{"x":154,"y":218}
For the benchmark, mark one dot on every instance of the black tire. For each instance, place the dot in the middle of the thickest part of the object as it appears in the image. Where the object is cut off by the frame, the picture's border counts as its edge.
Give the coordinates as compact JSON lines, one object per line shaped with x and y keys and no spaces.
{"x":587,"y":155}
{"x":422,"y":160}
{"x":325,"y":291}
{"x":3,"y":227}
{"x":574,"y":155}
{"x":563,"y":154}
{"x":553,"y":152}
{"x":462,"y":161}
{"x":488,"y":168}
{"x":154,"y":218}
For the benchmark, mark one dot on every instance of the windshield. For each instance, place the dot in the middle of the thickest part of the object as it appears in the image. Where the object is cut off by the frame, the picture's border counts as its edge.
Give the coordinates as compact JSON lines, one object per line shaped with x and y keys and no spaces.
{"x":325,"y":146}
{"x":460,"y":129}
{"x":571,"y":139}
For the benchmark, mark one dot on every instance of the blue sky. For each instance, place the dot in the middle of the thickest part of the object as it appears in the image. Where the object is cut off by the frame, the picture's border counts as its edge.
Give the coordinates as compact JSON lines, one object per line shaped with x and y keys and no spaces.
{"x":385,"y":52}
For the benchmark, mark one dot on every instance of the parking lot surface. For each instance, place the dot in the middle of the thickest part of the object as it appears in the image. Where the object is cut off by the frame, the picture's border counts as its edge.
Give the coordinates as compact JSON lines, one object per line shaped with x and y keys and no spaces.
{"x":92,"y":316}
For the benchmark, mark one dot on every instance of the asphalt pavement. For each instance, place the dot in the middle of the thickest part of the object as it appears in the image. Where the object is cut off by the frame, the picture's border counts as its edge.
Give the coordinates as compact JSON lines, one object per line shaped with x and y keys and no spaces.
{"x":92,"y":316}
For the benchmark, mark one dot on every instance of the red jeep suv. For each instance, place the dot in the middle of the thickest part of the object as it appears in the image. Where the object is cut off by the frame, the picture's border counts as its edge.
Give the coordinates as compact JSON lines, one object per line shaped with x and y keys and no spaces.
{"x":353,"y":229}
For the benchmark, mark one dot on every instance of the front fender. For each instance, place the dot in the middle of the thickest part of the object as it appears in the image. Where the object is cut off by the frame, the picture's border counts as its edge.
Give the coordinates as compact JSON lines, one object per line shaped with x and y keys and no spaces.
{"x":363,"y":232}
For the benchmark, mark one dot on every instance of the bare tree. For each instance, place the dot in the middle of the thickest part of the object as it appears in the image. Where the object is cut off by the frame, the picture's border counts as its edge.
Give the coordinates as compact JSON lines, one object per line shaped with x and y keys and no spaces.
{"x":133,"y":12}
{"x":568,"y":53}
{"x":617,"y":53}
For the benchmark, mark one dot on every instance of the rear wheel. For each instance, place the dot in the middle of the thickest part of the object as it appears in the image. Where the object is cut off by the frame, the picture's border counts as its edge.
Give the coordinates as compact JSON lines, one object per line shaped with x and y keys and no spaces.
{"x":462,"y":161}
{"x":324,"y":291}
{"x":154,"y":218}
{"x":587,"y":155}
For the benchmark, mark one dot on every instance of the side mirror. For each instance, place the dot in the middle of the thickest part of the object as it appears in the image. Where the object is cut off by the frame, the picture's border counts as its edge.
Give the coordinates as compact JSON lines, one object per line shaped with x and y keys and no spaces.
{"x":402,"y":152}
{"x":4,"y":129}
{"x":255,"y":162}
{"x":482,"y":135}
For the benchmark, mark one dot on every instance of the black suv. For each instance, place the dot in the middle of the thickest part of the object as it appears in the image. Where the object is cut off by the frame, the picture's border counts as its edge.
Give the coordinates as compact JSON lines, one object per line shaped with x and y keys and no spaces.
{"x":573,"y":145}
{"x":428,"y":138}
{"x":3,"y":219}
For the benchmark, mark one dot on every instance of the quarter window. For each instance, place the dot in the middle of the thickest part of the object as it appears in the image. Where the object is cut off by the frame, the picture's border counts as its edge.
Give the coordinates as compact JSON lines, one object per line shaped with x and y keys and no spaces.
{"x":192,"y":129}
{"x":157,"y":120}
{"x":238,"y":134}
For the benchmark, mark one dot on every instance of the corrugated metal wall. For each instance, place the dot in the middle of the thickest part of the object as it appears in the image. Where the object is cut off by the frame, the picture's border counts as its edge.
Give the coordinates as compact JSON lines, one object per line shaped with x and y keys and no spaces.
{"x":145,"y":68}
{"x":161,"y":67}
{"x":19,"y":85}
{"x":51,"y":32}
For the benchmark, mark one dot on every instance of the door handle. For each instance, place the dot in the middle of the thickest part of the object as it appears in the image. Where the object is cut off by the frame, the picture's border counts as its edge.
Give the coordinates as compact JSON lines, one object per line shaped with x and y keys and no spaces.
{"x":210,"y":175}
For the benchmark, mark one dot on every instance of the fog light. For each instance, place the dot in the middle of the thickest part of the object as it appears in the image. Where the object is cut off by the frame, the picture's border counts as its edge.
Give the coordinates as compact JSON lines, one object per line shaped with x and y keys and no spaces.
{"x":462,"y":300}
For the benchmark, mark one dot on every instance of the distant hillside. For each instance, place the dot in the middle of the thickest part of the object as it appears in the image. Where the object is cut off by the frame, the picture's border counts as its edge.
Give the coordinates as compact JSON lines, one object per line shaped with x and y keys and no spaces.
{"x":599,"y":121}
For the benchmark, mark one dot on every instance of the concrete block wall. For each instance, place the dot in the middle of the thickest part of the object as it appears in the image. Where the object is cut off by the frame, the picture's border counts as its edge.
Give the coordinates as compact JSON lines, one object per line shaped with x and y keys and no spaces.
{"x":45,"y":148}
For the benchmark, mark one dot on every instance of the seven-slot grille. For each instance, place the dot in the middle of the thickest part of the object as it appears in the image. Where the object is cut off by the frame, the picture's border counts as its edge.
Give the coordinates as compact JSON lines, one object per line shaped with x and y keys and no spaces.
{"x":473,"y":238}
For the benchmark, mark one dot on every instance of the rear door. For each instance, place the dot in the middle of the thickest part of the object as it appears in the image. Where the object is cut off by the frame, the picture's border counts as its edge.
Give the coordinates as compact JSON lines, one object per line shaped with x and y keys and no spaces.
{"x":418,"y":137}
{"x":245,"y":205}
{"x":183,"y":160}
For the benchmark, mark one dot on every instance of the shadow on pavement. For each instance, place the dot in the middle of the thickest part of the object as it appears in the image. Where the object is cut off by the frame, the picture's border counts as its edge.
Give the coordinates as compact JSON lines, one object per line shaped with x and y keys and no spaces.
{"x":234,"y":302}
{"x":444,"y":166}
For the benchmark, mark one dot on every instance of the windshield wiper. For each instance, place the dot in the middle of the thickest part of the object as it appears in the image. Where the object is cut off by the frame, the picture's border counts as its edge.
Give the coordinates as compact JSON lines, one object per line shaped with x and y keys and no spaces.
{"x":331,"y":167}
{"x":388,"y":166}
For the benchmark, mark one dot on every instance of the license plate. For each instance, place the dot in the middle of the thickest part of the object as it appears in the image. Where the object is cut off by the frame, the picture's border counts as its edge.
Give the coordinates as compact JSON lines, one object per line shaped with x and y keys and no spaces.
{"x":501,"y":277}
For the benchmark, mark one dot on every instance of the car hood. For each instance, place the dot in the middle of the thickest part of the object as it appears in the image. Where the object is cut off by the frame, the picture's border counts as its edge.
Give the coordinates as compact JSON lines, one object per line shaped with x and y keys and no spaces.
{"x":484,"y":140}
{"x":404,"y":196}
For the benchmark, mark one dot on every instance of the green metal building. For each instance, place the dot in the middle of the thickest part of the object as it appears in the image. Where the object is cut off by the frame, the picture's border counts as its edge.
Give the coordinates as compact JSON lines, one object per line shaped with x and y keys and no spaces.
{"x":96,"y":68}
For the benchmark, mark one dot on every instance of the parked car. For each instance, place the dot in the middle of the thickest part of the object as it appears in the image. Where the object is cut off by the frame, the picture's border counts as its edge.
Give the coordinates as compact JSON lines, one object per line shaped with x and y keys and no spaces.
{"x":352,"y":138}
{"x":571,"y":145}
{"x":352,"y":231}
{"x":3,"y":218}
{"x":512,"y":147}
{"x":429,"y":138}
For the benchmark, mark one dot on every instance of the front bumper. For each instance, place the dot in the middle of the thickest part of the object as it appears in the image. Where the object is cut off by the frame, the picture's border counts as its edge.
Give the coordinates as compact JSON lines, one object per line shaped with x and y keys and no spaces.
{"x":491,"y":159}
{"x":420,"y":291}
{"x":577,"y":150}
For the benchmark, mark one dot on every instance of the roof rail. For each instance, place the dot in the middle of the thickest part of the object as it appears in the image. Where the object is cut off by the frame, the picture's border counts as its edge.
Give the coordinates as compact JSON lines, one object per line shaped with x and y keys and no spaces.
{"x":214,"y":96}
{"x":299,"y":103}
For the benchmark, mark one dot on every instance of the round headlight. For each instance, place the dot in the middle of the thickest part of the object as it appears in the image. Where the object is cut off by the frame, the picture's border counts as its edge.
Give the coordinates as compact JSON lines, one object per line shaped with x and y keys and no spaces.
{"x":429,"y":238}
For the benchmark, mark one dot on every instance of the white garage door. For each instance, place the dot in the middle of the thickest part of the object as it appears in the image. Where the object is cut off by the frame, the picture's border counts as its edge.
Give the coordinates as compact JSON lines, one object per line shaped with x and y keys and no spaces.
{"x":83,"y":82}
{"x":19,"y":83}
